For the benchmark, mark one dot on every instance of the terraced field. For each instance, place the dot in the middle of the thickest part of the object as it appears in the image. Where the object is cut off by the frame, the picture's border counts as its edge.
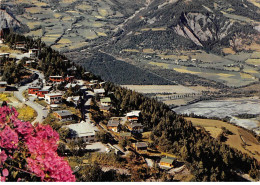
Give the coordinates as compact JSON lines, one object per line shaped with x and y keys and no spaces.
{"x":67,"y":24}
{"x":235,"y":70}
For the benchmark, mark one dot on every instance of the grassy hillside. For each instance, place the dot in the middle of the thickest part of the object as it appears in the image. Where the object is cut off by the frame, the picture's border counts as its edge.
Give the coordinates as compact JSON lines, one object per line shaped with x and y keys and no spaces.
{"x":248,"y":145}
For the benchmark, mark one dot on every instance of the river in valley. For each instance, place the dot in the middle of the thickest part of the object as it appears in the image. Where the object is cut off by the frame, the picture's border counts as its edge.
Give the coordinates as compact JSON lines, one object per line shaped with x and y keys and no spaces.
{"x":223,"y":108}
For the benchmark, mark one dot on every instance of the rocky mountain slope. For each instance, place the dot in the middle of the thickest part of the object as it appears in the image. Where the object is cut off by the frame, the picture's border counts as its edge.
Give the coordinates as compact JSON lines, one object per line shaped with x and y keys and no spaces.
{"x":198,"y":24}
{"x":8,"y":21}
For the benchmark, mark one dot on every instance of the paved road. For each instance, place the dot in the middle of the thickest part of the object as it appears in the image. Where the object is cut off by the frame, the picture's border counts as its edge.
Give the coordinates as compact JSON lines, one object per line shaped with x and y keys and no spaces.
{"x":38,"y":108}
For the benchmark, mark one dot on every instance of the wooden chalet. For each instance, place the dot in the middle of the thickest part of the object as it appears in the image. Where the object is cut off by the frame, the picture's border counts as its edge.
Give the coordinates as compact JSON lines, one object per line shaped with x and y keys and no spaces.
{"x":140,"y":146}
{"x":64,"y":115}
{"x":133,"y":116}
{"x":135,"y":127}
{"x":167,"y":162}
{"x":113,"y":125}
{"x":33,"y":90}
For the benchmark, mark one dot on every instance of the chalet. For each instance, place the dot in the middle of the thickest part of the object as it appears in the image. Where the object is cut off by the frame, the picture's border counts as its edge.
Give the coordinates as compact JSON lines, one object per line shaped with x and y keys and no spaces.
{"x":105,"y":102}
{"x":140,"y":146}
{"x":20,"y":45}
{"x":100,"y":92}
{"x":133,"y":116}
{"x":167,"y":162}
{"x":3,"y":86}
{"x":135,"y":127}
{"x":45,"y":90}
{"x":41,"y":93}
{"x":125,"y":134}
{"x":56,"y":79}
{"x":82,"y":130}
{"x":33,"y":53}
{"x":113,"y":125}
{"x":64,"y":115}
{"x":33,"y":90}
{"x":4,"y":55}
{"x":54,"y":98}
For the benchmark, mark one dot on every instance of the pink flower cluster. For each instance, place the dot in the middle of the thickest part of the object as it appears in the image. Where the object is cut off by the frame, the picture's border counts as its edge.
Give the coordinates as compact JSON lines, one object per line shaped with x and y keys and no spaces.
{"x":44,"y":160}
{"x":8,"y":138}
{"x":39,"y":142}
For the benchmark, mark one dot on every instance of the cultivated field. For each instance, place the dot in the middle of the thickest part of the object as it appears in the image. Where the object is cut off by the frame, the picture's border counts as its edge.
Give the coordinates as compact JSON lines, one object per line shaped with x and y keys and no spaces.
{"x":214,"y":127}
{"x":159,"y":89}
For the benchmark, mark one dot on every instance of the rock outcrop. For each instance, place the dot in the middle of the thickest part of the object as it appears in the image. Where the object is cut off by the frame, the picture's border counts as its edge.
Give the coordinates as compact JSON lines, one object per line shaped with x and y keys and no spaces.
{"x":8,"y":21}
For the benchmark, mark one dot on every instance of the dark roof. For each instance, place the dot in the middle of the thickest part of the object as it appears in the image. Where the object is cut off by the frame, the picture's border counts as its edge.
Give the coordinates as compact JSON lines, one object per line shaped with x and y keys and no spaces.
{"x":64,"y":113}
{"x":113,"y":123}
{"x":34,"y":87}
{"x":125,"y":134}
{"x":141,"y":144}
{"x":169,"y":160}
{"x":132,"y":125}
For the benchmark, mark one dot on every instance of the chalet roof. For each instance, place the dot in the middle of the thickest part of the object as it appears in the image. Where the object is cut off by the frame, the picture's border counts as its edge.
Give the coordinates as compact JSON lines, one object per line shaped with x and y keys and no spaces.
{"x":54,"y":94}
{"x":34,"y":87}
{"x":105,"y":100}
{"x":82,"y":129}
{"x":169,"y":160}
{"x":55,"y":76}
{"x":134,"y":113}
{"x":99,"y":91}
{"x":3,"y":83}
{"x":64,"y":113}
{"x":141,"y":144}
{"x":125,"y":134}
{"x":113,"y":123}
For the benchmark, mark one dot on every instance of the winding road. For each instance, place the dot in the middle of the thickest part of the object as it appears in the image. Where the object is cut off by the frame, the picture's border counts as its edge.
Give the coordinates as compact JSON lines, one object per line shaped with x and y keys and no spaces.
{"x":41,"y":114}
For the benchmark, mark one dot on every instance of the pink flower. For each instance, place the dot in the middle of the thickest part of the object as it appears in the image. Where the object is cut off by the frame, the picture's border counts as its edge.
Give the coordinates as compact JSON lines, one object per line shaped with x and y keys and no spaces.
{"x":5,"y":172}
{"x":8,"y":138}
{"x":2,"y":179}
{"x":39,"y":148}
{"x":3,"y":157}
{"x":23,"y":128}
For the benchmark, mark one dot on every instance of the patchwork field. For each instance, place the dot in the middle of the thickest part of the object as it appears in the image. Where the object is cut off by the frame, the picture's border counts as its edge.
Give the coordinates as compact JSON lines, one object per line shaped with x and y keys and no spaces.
{"x":159,"y":89}
{"x":96,"y":17}
{"x":214,"y":127}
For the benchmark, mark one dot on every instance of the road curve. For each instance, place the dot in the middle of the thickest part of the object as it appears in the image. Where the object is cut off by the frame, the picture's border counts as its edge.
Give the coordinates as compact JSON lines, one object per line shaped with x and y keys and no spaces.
{"x":41,"y":114}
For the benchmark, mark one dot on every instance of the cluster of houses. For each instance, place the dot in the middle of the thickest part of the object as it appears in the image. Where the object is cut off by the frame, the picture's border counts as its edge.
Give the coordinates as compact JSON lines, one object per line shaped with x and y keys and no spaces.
{"x":84,"y":130}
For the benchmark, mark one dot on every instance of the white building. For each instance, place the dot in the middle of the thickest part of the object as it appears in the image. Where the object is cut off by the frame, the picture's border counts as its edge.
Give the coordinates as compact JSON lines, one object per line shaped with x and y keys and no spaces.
{"x":100,"y":92}
{"x":83,"y":130}
{"x":54,"y":98}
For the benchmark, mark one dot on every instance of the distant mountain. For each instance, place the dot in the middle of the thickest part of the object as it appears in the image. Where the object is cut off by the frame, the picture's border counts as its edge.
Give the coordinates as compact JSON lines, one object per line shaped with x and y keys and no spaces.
{"x":193,"y":24}
{"x":8,"y":21}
